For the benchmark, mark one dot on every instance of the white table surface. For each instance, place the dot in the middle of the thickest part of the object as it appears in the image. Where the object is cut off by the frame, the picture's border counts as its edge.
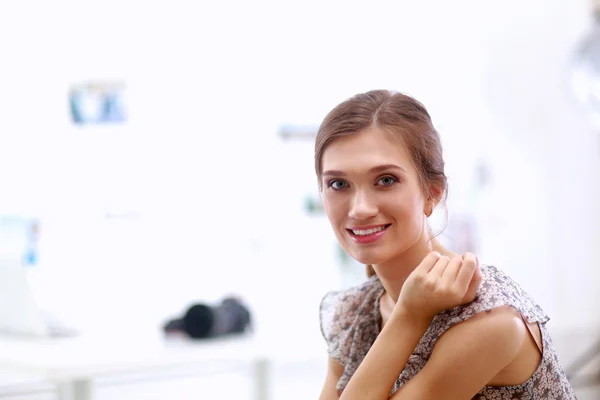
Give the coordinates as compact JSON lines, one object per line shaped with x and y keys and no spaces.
{"x":75,"y":362}
{"x":84,"y":356}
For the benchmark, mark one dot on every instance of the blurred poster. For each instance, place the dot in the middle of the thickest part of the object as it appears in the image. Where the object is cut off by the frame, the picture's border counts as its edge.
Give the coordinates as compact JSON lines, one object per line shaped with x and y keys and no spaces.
{"x":97,"y":103}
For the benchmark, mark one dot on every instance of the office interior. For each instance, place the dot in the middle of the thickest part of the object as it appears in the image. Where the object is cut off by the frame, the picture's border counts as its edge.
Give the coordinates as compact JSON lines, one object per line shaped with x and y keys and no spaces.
{"x":156,"y":155}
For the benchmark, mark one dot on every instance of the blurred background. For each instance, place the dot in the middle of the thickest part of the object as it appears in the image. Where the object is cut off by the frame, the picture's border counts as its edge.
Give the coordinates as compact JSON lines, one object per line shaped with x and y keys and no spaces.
{"x":161,"y":153}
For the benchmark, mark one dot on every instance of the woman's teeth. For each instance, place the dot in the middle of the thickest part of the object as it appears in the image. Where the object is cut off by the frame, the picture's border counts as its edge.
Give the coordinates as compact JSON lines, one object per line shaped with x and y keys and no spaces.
{"x":366,"y":232}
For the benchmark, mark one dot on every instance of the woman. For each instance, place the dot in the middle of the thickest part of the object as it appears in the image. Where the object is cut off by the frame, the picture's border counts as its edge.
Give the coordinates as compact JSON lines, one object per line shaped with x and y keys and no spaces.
{"x":428,"y":323}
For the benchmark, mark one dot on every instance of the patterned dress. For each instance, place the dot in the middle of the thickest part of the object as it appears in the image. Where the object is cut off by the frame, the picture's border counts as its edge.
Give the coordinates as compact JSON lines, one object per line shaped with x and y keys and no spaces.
{"x":350,"y":321}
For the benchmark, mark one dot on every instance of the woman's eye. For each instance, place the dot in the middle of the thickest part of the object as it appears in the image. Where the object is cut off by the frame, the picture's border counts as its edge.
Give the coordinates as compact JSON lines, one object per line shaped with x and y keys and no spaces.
{"x":337,"y":184}
{"x":387,"y":180}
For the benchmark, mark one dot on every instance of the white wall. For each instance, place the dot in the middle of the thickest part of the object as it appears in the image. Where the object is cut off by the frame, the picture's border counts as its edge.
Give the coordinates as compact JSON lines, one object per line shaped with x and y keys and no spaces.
{"x":219,"y":196}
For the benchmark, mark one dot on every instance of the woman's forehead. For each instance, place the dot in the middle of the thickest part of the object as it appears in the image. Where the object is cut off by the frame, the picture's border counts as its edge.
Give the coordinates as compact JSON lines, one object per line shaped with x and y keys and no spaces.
{"x":364,"y":150}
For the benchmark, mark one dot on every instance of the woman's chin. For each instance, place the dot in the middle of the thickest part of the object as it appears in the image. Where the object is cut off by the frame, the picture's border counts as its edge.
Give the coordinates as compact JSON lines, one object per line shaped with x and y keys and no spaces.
{"x":368,"y":259}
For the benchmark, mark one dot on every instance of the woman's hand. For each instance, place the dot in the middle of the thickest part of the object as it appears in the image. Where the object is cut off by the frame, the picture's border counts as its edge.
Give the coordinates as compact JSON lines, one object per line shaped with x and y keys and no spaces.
{"x":439,"y":283}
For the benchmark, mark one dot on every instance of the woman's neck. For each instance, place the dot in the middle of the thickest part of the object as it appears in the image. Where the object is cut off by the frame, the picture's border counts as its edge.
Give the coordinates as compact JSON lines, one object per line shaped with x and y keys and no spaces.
{"x":394,"y":273}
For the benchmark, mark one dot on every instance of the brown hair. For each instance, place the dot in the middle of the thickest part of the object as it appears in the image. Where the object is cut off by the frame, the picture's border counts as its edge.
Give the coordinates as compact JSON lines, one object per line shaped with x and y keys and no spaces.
{"x":402,"y":116}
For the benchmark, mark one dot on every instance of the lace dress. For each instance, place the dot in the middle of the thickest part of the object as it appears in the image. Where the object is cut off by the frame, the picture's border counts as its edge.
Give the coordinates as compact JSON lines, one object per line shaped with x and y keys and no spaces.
{"x":350,"y":321}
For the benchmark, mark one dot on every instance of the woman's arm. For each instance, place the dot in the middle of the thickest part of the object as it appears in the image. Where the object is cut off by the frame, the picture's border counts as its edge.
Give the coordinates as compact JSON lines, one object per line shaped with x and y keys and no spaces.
{"x":387,"y":357}
{"x":467,"y":357}
{"x":438,"y":283}
{"x":463,"y":361}
{"x":334,"y":373}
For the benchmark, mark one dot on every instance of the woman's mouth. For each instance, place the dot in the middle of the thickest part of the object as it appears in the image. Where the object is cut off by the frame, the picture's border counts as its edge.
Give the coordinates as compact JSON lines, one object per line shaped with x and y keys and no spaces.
{"x":370,"y":234}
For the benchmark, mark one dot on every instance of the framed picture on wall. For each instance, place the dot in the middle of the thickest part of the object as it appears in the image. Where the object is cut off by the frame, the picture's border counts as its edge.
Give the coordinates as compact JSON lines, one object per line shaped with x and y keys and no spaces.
{"x":95,"y":103}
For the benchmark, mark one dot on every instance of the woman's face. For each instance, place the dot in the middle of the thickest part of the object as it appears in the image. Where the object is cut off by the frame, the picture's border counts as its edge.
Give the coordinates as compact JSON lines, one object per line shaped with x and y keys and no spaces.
{"x":372,"y":197}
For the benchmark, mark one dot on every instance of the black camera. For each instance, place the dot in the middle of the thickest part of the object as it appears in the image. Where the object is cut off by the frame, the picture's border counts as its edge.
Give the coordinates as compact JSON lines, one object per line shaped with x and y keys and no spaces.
{"x":200,"y":321}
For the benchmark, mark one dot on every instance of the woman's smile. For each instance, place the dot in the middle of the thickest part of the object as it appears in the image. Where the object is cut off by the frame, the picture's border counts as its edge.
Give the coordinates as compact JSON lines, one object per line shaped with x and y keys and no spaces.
{"x":367,"y":234}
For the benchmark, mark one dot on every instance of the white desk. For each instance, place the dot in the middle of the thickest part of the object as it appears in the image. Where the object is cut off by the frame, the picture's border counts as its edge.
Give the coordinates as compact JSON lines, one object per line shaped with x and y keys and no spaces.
{"x":72,"y":364}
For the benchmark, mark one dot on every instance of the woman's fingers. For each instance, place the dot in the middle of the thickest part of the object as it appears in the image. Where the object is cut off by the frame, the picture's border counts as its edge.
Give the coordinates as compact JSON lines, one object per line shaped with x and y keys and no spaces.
{"x":427,"y":263}
{"x":451,"y":271}
{"x":473,"y":286}
{"x":438,"y":269}
{"x":465,"y":272}
{"x":440,"y":283}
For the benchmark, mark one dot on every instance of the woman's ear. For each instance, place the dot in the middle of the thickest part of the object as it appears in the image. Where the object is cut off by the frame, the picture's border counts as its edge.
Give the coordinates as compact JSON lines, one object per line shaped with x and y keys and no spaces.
{"x":434,"y":198}
{"x":428,"y":206}
{"x":436,"y":194}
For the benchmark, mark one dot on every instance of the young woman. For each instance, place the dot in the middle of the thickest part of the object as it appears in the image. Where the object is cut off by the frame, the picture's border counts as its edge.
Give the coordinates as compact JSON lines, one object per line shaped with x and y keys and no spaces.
{"x":428,"y":324}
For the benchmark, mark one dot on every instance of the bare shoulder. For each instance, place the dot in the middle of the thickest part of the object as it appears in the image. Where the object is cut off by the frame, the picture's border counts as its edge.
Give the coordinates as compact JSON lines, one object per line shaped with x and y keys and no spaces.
{"x":502,"y":316}
{"x":501,"y":328}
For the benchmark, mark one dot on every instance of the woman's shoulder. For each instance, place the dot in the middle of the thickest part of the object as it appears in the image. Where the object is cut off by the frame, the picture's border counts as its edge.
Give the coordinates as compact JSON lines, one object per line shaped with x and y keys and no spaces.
{"x":498,"y":289}
{"x":349,"y":302}
{"x":354,"y":295}
{"x":342,"y":311}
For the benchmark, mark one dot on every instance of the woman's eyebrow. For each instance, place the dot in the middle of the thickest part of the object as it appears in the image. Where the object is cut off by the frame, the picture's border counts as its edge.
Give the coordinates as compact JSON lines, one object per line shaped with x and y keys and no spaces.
{"x":378,"y":168}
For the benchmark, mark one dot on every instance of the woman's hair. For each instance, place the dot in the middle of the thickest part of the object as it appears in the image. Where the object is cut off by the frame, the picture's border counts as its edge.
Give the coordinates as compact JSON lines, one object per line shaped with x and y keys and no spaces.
{"x":405,"y":119}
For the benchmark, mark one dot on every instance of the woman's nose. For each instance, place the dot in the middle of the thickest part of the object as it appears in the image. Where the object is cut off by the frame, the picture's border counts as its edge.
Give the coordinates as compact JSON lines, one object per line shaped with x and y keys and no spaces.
{"x":363,"y":206}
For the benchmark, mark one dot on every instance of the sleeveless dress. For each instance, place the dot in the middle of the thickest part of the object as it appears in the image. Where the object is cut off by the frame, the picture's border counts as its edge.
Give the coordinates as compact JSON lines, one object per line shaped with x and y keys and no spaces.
{"x":350,"y":321}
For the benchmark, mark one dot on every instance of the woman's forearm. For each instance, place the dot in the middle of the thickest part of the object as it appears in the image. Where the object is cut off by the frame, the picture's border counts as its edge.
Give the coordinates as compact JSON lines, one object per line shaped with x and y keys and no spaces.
{"x":377,"y":373}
